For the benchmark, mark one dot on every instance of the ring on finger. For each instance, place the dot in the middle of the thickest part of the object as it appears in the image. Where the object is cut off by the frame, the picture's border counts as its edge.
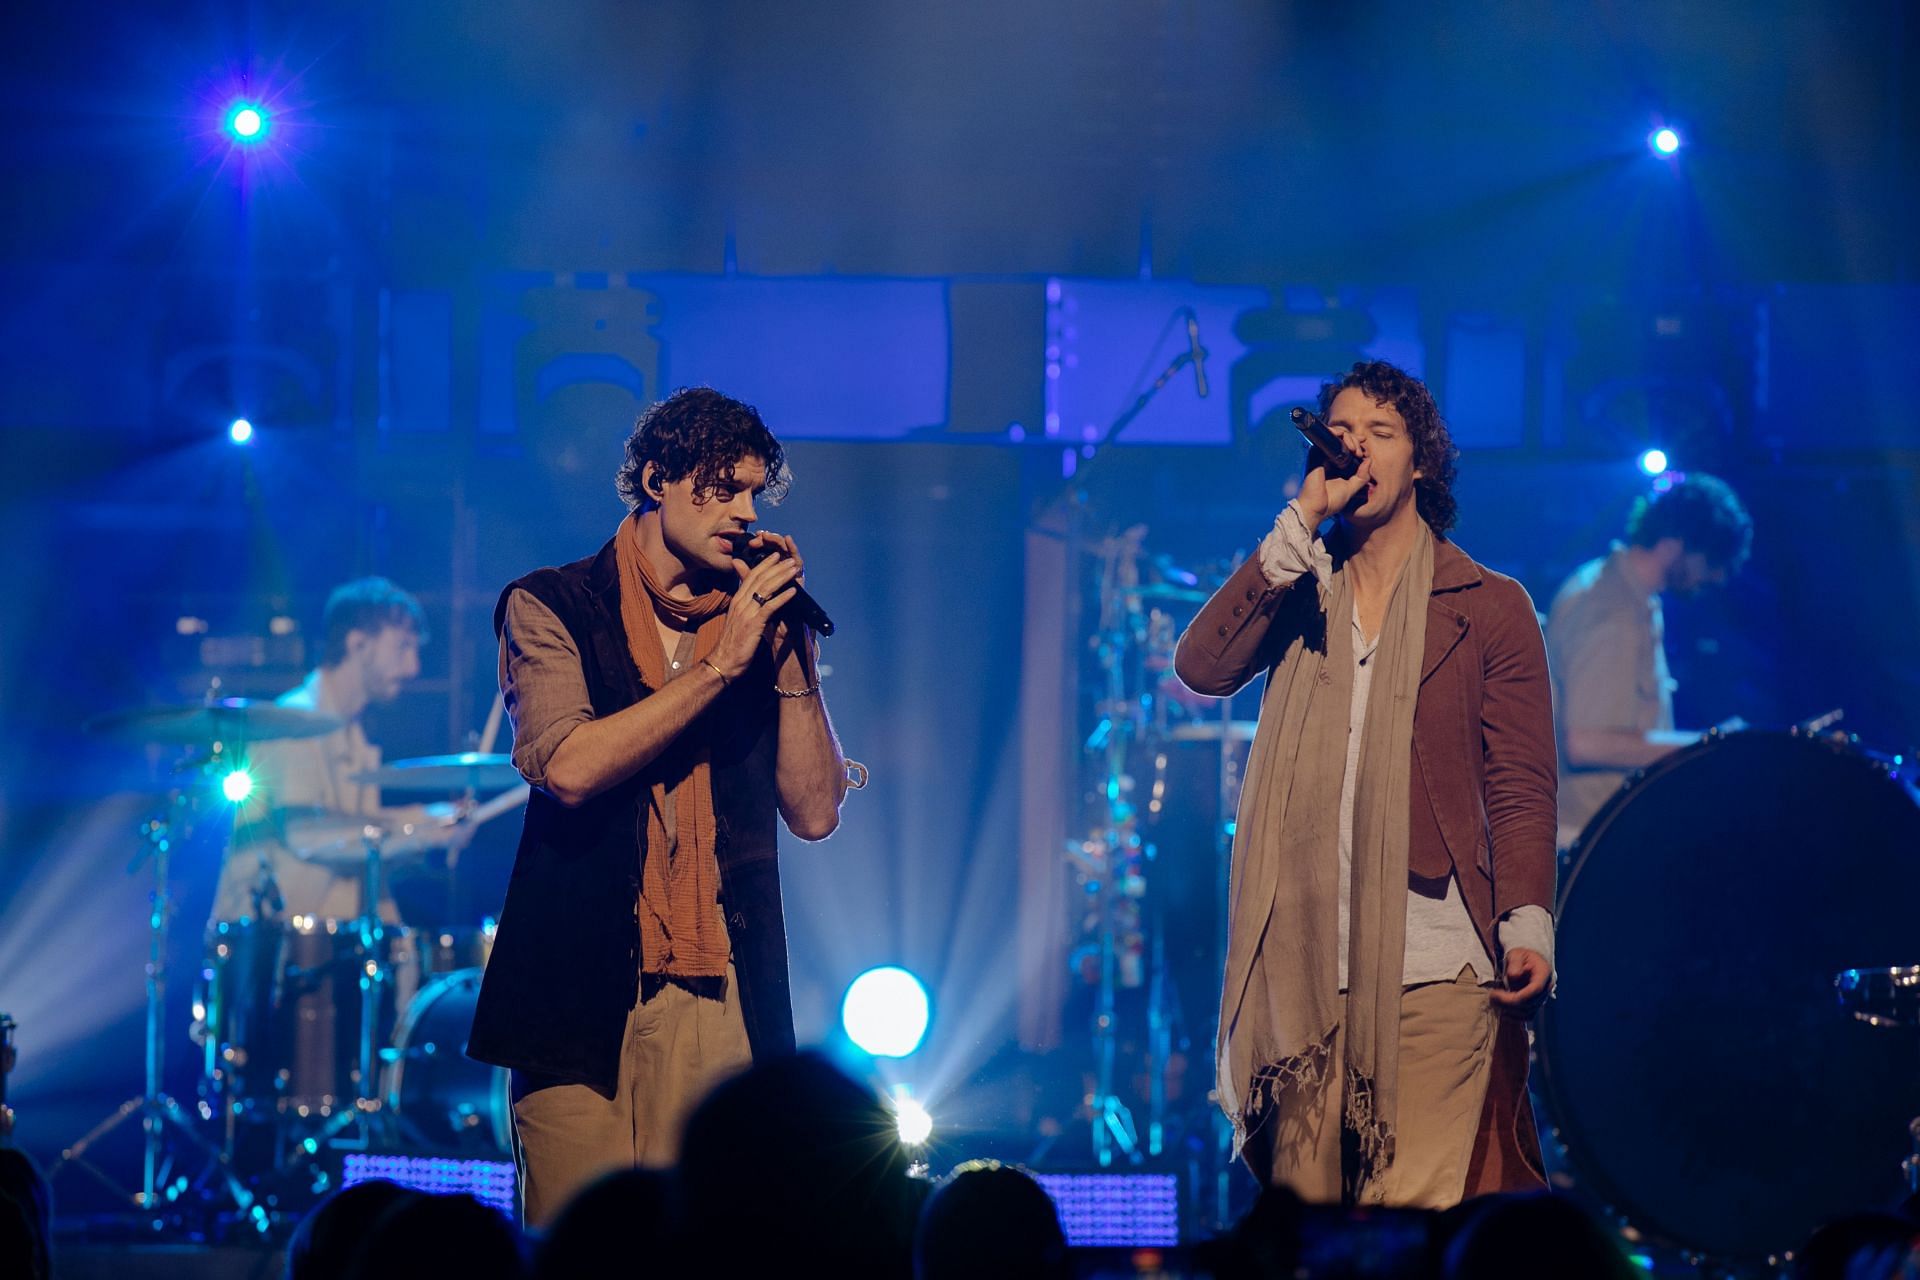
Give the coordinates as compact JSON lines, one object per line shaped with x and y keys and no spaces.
{"x":758,"y":598}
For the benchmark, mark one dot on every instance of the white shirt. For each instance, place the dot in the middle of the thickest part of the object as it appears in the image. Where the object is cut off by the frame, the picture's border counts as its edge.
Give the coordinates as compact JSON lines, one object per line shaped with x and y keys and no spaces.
{"x":1441,"y":938}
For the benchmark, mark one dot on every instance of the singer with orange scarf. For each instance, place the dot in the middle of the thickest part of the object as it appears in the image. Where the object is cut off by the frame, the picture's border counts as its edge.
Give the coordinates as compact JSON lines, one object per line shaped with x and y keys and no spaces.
{"x":666,"y":713}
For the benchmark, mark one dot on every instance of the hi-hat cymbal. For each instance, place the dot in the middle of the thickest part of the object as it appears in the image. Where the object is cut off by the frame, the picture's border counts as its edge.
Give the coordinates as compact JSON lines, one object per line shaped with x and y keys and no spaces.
{"x":228,"y":720}
{"x":1168,"y":591}
{"x":1214,"y":731}
{"x":445,"y":773}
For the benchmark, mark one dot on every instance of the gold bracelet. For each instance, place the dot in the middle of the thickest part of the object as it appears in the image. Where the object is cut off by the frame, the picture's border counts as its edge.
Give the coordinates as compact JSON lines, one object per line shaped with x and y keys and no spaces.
{"x":724,"y":682}
{"x":807,"y":692}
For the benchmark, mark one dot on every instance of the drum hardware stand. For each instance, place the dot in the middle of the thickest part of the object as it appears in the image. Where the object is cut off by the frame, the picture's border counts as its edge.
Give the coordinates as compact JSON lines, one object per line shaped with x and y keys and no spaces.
{"x":1115,"y":1132}
{"x":373,"y":972}
{"x":1225,"y":827}
{"x":1887,"y":998}
{"x":158,"y":1112}
{"x":1118,"y":838}
{"x":7,"y":1026}
{"x":1911,"y":1165}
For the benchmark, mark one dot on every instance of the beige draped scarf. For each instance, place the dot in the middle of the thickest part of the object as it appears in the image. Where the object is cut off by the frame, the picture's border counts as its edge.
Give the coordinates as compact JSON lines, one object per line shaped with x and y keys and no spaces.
{"x":1281,"y":1003}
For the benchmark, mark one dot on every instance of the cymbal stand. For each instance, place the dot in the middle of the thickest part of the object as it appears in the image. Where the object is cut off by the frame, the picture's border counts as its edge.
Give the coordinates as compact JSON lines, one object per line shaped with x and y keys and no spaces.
{"x":158,"y":1112}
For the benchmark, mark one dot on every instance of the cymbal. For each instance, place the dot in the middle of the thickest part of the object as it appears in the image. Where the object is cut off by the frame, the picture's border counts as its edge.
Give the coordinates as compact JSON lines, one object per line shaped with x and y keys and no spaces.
{"x":445,"y":773}
{"x":229,"y":719}
{"x":1167,"y":591}
{"x":1214,"y":731}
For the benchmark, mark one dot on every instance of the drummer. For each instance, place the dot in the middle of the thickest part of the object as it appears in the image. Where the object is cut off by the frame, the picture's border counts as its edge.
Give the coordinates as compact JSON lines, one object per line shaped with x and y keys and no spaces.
{"x":299,"y":845}
{"x":1613,"y":696}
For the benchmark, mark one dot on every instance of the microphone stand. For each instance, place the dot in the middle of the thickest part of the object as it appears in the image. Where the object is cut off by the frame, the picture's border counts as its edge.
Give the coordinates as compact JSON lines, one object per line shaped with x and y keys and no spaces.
{"x":1114,"y":428}
{"x":1133,"y":410}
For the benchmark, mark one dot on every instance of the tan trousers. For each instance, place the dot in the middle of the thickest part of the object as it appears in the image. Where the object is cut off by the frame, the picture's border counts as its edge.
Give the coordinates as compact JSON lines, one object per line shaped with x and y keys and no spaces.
{"x":1446,"y":1056}
{"x":677,"y":1047}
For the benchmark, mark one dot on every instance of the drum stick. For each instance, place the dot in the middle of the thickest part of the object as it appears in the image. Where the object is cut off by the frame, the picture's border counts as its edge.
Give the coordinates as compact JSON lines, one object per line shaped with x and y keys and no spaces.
{"x":505,"y":802}
{"x":492,"y":730}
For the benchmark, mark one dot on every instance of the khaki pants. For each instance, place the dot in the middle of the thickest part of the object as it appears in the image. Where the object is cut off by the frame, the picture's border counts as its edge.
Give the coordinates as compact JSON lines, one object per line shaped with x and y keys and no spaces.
{"x":676,"y":1048}
{"x":1446,"y":1056}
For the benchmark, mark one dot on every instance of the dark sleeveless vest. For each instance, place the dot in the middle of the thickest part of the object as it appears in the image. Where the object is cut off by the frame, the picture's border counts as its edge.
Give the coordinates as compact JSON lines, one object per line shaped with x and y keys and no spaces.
{"x":565,"y":968}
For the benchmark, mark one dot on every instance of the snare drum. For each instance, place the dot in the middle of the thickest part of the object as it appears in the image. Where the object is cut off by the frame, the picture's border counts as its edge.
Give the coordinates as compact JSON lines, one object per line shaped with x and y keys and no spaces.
{"x":281,"y":1009}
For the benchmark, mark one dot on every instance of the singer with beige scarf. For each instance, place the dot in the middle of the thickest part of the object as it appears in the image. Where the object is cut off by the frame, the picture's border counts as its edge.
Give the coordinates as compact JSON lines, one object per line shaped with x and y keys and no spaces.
{"x":1390,"y":900}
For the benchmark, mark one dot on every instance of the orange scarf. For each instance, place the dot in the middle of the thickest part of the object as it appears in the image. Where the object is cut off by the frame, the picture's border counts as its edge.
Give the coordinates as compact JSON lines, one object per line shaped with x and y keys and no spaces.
{"x":681,"y":929}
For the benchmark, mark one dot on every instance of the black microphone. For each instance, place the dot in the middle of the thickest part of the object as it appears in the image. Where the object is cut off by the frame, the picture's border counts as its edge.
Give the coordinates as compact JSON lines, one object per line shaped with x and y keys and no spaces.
{"x":266,"y":891}
{"x":1339,"y":461}
{"x":1197,"y":352}
{"x":802,"y":608}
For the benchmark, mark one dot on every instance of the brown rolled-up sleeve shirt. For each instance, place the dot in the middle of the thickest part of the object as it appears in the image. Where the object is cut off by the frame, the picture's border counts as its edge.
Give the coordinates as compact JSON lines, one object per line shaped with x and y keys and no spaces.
{"x":543,"y":683}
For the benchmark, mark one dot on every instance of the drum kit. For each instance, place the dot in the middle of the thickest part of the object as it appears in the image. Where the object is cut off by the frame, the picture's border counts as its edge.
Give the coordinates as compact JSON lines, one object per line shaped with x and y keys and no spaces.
{"x":1704,"y":1085}
{"x":1161,"y":773}
{"x":314,"y":1033}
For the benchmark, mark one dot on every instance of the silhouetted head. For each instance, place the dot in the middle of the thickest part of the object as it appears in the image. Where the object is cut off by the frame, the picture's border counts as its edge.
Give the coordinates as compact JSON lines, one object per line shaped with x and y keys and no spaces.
{"x":452,"y":1235}
{"x":792,"y":1165}
{"x":988,"y":1219}
{"x":1524,"y":1237}
{"x":625,"y":1214}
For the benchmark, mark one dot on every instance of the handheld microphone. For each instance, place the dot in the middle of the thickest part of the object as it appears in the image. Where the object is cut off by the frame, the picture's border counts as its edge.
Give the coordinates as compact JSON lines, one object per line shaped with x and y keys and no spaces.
{"x":1339,"y":462}
{"x":802,"y":609}
{"x":1197,"y":352}
{"x":266,"y":891}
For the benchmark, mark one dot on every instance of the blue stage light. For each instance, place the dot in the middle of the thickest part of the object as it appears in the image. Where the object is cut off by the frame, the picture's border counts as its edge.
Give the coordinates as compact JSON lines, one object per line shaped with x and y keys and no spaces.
{"x":1653,"y":461}
{"x":491,"y":1182}
{"x":1664,"y":141}
{"x":247,"y":123}
{"x":886,"y":1012}
{"x":240,"y":431}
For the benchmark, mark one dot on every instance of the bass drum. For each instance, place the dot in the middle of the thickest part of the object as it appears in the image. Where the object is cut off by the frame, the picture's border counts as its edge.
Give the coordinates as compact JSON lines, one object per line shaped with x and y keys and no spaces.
{"x":442,"y":1098}
{"x":1709,"y":1089}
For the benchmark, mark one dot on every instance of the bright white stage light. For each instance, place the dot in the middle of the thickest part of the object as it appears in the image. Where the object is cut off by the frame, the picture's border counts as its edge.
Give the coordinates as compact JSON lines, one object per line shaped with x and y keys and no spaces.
{"x":886,"y":1012}
{"x":237,"y":786}
{"x":914,"y":1122}
{"x":246,"y":122}
{"x":240,"y":431}
{"x":1664,"y":141}
{"x":1653,"y":461}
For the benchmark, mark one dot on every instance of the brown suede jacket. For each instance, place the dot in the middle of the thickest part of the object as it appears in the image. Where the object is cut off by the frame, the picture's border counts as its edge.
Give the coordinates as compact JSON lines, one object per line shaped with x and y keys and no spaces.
{"x":1484,"y":772}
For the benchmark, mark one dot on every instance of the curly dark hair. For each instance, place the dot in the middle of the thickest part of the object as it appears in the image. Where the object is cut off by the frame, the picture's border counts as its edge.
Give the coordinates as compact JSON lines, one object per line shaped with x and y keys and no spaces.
{"x":1433,"y":451}
{"x":698,"y":432}
{"x":1702,"y":511}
